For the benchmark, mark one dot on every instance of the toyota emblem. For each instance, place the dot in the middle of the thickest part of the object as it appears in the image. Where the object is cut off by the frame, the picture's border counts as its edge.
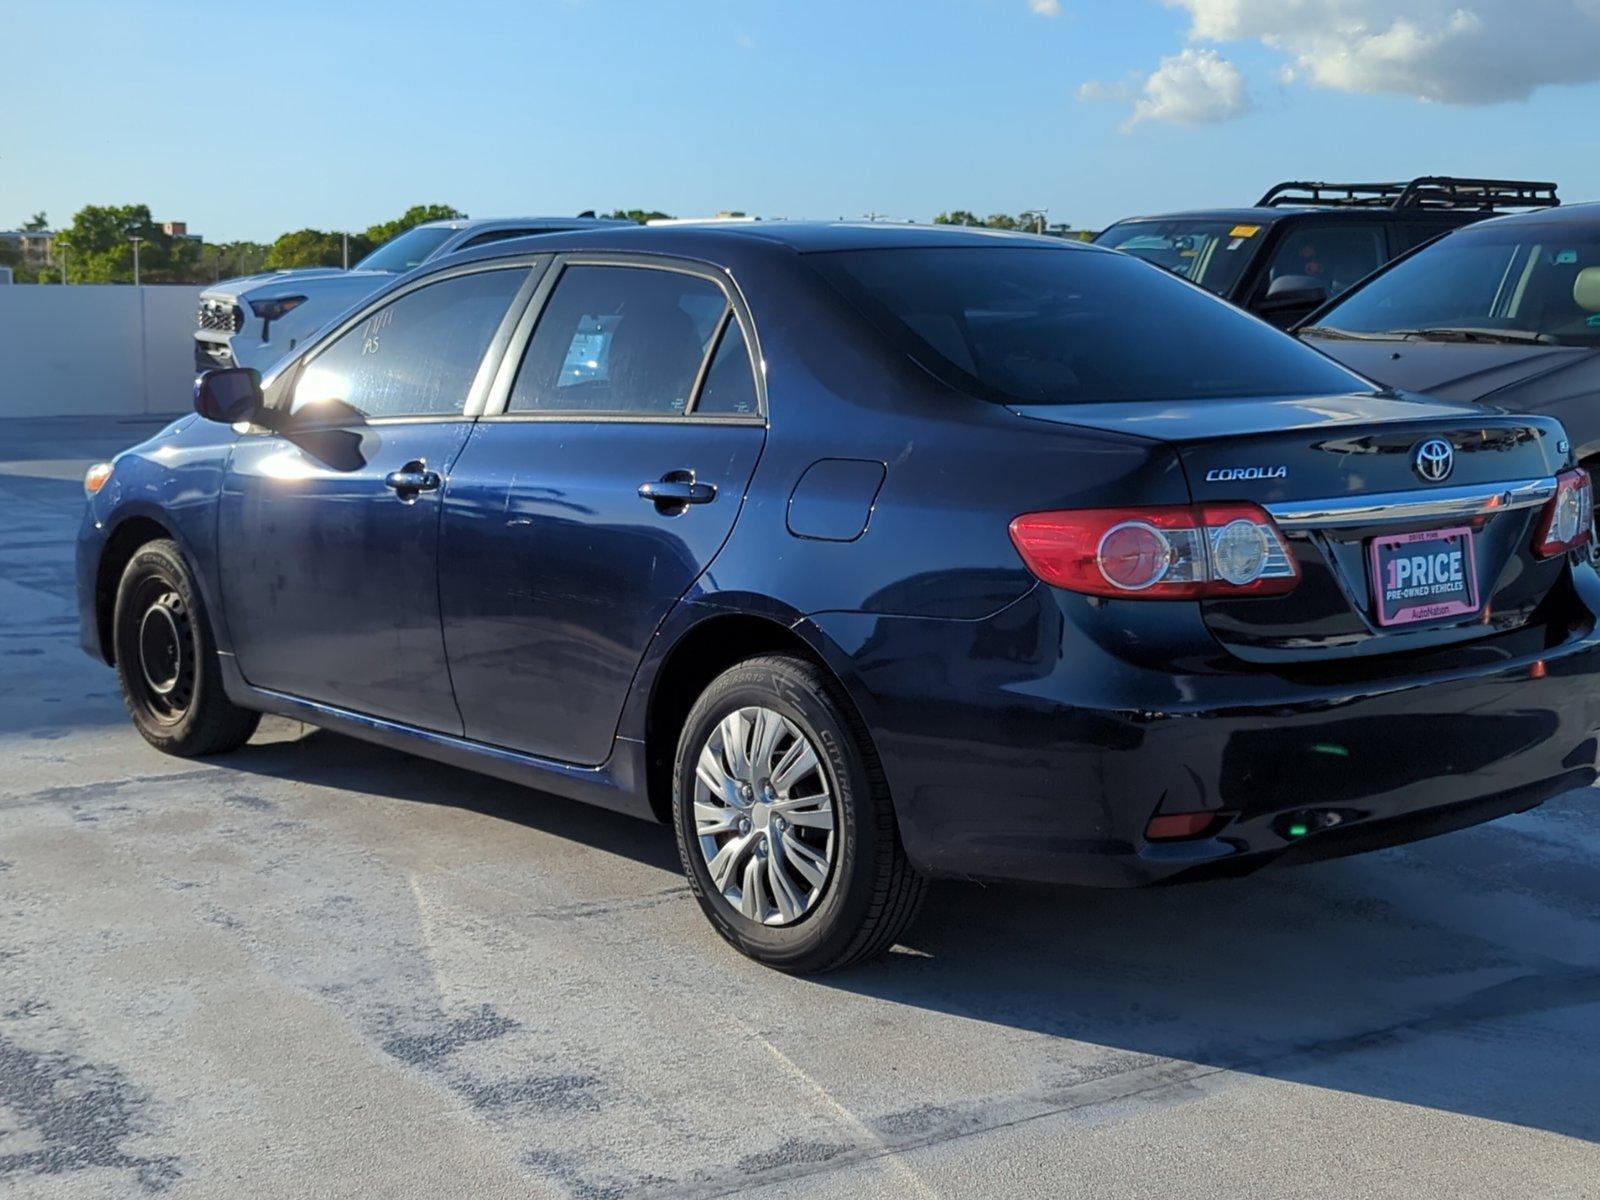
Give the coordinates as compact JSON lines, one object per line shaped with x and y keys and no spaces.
{"x":1434,"y":460}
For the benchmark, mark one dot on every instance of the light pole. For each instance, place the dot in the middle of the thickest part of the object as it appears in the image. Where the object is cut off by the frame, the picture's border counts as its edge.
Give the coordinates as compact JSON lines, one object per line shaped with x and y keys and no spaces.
{"x":135,"y":239}
{"x":1038,"y":215}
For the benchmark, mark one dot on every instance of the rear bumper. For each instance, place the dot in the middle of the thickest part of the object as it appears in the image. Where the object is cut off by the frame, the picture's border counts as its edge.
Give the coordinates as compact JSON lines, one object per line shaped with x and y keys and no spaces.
{"x":1015,"y":750}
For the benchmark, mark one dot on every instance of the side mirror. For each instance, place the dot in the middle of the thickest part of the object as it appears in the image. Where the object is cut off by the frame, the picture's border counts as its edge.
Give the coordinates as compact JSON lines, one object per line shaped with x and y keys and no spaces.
{"x":1291,"y":297}
{"x":229,"y":394}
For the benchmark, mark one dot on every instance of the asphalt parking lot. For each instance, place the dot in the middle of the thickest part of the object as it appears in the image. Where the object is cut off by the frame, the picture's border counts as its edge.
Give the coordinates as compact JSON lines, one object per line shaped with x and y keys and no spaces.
{"x":318,"y":968}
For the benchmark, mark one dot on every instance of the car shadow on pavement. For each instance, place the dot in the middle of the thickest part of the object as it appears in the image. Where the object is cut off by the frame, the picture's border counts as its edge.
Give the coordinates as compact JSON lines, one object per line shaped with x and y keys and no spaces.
{"x":1419,"y":974}
{"x":333,"y":760}
{"x":1456,"y":974}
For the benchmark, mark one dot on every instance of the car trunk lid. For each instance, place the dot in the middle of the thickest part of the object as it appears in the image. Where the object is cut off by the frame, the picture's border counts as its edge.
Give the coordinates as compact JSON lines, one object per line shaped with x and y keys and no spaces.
{"x":1342,"y":477}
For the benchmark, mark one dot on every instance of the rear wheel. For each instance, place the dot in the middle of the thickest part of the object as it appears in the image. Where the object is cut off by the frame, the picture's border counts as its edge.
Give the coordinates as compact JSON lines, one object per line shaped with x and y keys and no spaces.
{"x":784,"y":821}
{"x":167,"y":660}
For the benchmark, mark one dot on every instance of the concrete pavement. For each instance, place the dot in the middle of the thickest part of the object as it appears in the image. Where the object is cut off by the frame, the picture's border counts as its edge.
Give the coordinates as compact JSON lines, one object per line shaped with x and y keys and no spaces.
{"x":318,"y":968}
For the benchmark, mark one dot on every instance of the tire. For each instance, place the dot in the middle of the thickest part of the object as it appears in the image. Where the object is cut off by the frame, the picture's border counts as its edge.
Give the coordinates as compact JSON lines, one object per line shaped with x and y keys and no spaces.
{"x":167,"y":660}
{"x":762,"y":830}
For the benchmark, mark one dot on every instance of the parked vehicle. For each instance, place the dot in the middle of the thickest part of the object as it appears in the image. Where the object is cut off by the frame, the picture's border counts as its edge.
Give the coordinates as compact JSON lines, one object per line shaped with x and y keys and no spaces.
{"x":1304,"y":243}
{"x":255,"y":320}
{"x":863,"y":554}
{"x":1507,"y":311}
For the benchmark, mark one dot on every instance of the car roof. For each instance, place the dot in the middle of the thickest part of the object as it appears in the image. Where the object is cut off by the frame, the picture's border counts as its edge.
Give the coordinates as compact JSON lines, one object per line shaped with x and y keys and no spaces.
{"x":1566,"y":214}
{"x":459,"y":223}
{"x":1269,"y":216}
{"x":800,"y":237}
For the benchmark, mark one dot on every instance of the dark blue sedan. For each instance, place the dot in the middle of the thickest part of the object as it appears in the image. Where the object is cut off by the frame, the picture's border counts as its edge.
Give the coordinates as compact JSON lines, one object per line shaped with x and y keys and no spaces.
{"x":861,"y":555}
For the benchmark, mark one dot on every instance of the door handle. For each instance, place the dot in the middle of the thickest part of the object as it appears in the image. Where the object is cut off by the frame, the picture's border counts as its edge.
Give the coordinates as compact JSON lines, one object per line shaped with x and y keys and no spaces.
{"x":413,"y":479}
{"x":676,"y":490}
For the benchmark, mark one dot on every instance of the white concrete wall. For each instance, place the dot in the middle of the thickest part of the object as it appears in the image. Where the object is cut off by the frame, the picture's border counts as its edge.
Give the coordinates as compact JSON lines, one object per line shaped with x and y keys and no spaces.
{"x":96,"y":350}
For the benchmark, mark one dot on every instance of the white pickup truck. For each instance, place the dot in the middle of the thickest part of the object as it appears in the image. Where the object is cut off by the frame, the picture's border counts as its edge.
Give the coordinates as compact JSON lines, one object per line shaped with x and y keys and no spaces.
{"x":255,"y":320}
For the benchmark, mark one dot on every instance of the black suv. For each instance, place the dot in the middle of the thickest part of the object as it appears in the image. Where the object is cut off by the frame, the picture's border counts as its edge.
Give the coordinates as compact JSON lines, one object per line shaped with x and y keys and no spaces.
{"x":1304,"y":243}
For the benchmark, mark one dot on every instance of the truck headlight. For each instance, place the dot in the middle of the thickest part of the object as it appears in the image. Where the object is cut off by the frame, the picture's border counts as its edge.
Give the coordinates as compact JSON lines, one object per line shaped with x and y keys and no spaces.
{"x":272,"y":310}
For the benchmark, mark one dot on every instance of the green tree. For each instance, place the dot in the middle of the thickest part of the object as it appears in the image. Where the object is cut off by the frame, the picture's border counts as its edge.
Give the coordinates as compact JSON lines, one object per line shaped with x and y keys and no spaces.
{"x":961,"y":216}
{"x":99,"y":247}
{"x":638,"y":215}
{"x":313,"y":248}
{"x":36,"y":223}
{"x":412,"y":217}
{"x":226,"y":260}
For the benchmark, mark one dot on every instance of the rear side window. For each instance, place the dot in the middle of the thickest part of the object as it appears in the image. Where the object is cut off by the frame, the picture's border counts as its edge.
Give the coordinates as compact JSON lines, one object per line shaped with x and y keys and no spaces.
{"x":1036,"y":325}
{"x":623,"y":340}
{"x":416,"y":356}
{"x":730,"y":387}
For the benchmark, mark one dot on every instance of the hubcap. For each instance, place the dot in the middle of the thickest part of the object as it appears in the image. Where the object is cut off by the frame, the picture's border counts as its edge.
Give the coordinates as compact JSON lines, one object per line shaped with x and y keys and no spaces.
{"x":163,"y":647}
{"x":764,"y":816}
{"x":158,"y":649}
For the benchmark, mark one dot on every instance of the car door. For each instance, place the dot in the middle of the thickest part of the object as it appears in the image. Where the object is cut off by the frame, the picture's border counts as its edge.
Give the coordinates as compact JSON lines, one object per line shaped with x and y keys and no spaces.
{"x":329,"y":527}
{"x":604,"y":477}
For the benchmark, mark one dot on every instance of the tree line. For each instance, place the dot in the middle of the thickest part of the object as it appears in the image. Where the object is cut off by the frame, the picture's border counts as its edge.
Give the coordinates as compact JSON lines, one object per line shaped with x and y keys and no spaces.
{"x":97,"y":247}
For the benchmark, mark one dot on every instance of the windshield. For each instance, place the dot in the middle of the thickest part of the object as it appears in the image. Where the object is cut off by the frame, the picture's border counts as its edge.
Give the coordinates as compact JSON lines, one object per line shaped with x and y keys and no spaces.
{"x":1027,"y":325}
{"x":1521,"y":282}
{"x":410,"y":249}
{"x":1211,"y":253}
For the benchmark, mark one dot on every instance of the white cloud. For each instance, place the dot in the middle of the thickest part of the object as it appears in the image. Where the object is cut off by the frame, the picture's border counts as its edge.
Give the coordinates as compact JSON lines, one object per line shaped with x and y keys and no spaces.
{"x":1046,"y":8}
{"x":1192,"y":87}
{"x":1450,"y":51}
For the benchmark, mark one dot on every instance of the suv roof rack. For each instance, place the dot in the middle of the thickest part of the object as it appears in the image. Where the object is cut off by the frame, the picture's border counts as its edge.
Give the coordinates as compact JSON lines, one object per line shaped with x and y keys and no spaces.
{"x":1426,"y":191}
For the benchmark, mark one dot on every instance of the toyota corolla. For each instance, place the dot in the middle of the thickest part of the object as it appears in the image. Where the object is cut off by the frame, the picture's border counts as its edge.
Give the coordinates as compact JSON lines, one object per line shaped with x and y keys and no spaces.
{"x":862,"y":555}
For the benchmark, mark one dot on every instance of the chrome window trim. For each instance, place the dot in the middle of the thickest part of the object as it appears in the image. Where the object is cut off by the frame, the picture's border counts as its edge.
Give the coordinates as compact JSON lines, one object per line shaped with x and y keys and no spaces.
{"x":1393,"y":508}
{"x":496,"y":401}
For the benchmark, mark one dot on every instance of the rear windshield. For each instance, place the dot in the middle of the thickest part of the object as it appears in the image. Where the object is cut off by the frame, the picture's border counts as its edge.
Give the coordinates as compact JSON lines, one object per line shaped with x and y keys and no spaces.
{"x":1026,"y":325}
{"x":1213,"y":254}
{"x":1517,"y":282}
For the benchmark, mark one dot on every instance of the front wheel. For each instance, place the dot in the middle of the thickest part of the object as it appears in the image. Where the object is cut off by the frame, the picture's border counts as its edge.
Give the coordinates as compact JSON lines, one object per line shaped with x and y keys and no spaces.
{"x":784,"y":821}
{"x":167,"y":661}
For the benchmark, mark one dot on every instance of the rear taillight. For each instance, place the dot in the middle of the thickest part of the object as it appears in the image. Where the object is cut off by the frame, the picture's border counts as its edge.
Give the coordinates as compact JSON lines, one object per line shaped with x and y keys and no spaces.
{"x":1168,"y":552}
{"x":1568,"y":520}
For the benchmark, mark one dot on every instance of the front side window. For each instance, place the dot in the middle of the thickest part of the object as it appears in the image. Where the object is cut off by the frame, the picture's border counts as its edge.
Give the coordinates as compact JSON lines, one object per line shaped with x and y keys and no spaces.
{"x":416,"y":356}
{"x":1330,"y":256}
{"x":622,"y":340}
{"x":1514,"y":283}
{"x":1025,"y":325}
{"x":1213,"y":254}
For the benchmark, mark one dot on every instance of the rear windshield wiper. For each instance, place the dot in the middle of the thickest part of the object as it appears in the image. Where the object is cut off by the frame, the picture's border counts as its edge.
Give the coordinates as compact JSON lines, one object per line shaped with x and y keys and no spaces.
{"x":1450,"y":333}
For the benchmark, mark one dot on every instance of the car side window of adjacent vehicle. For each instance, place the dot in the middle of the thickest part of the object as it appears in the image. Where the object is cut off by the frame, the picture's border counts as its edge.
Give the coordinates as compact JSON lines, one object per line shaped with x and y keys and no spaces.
{"x":1328,"y":255}
{"x":415,"y":356}
{"x":620,"y":340}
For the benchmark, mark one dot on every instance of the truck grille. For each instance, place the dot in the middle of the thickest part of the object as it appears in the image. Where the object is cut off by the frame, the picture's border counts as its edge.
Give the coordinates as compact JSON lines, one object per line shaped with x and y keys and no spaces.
{"x":221,"y":316}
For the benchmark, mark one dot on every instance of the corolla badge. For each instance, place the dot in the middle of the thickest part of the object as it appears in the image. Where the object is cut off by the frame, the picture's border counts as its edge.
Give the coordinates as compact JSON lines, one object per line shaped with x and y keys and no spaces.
{"x":1229,"y":474}
{"x":1433,"y":460}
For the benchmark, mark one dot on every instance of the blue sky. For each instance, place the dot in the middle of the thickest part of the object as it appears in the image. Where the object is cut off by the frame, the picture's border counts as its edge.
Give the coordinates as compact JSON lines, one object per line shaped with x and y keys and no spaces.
{"x":251,"y":119}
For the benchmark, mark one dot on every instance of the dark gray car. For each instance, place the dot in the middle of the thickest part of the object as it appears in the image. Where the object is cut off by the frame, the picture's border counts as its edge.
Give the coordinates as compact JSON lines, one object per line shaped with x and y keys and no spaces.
{"x":1506,"y":311}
